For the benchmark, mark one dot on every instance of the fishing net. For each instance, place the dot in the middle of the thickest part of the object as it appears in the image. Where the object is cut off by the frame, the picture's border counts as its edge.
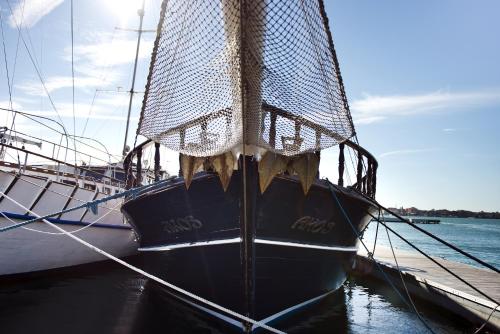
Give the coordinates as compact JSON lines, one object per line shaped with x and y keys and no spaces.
{"x":265,"y":74}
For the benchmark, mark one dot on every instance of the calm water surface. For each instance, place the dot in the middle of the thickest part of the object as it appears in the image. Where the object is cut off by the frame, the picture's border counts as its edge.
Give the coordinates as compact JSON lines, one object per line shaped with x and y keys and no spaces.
{"x":109,"y":299}
{"x":479,"y":237}
{"x":106,"y":298}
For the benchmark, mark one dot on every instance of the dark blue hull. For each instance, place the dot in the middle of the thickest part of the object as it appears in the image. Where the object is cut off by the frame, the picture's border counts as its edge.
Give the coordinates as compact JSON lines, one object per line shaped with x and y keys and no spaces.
{"x":293,"y":249}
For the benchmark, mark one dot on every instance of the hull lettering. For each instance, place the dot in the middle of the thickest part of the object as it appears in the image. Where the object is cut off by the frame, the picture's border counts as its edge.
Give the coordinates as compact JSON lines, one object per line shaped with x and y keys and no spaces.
{"x":176,"y":225}
{"x":313,"y":225}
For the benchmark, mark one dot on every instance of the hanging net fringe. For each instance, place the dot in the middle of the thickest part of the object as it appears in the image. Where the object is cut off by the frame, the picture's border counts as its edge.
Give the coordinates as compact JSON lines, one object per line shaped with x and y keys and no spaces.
{"x":265,"y":74}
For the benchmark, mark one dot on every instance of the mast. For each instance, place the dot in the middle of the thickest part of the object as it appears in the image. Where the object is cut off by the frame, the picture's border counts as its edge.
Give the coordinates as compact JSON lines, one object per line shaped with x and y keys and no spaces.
{"x":140,"y":12}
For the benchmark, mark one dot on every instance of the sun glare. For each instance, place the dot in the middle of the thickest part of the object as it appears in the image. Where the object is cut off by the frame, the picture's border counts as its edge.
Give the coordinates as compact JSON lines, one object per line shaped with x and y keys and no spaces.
{"x":124,"y":9}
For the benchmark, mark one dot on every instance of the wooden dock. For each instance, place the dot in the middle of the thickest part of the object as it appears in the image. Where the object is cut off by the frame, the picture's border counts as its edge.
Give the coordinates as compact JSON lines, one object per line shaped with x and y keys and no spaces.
{"x":413,"y":220}
{"x":431,"y":283}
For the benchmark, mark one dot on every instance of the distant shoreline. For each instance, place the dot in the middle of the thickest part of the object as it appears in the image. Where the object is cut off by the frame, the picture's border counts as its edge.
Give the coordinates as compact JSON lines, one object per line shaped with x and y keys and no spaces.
{"x":443,"y":213}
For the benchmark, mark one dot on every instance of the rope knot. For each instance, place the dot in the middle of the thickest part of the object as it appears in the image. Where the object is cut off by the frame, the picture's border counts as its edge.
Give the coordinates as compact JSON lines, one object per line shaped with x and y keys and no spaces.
{"x":93,"y":207}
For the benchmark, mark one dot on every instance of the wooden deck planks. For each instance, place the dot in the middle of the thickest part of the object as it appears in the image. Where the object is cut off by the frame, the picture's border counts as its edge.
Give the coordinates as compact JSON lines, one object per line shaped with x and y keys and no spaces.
{"x":414,"y":263}
{"x":418,"y":268}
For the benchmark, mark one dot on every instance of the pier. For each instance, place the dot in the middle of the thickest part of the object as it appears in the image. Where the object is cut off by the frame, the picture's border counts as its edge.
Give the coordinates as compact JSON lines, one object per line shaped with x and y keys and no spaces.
{"x":413,"y":220}
{"x":429,"y":282}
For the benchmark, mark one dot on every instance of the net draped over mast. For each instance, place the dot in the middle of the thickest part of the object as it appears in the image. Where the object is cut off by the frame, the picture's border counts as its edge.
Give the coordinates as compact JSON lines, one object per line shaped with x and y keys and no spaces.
{"x":265,"y":74}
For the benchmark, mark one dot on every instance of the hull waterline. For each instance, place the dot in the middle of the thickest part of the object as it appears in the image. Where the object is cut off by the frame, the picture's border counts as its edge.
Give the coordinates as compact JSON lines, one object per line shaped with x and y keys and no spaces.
{"x":295,"y":250}
{"x":39,"y":247}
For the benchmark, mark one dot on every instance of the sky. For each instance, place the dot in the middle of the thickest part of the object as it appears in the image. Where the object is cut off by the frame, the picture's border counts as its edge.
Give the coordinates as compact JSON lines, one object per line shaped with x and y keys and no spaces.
{"x":422,"y":79}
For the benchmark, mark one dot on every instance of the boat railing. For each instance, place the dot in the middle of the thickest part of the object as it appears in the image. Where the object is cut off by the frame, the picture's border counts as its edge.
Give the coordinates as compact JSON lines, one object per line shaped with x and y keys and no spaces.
{"x":54,"y":148}
{"x":42,"y":154}
{"x":79,"y":171}
{"x":134,"y":173}
{"x":65,"y":149}
{"x":365,"y":164}
{"x":366,"y":168}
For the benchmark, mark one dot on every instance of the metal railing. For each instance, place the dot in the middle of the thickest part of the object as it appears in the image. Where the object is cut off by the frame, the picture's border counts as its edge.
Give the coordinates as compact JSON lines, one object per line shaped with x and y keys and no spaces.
{"x":365,"y":168}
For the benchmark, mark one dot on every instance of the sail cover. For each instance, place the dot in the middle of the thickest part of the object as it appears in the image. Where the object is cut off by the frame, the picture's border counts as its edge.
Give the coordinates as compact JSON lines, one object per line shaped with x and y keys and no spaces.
{"x":259,"y":72}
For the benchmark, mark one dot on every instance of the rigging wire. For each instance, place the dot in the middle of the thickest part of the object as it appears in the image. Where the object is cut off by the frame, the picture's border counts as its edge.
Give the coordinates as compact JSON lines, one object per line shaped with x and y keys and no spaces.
{"x":5,"y":59}
{"x":437,"y":263}
{"x":33,"y":62}
{"x":455,"y":248}
{"x":8,"y":82}
{"x":72,"y":232}
{"x":376,"y":236}
{"x":64,"y":133}
{"x":16,"y":133}
{"x":401,"y":274}
{"x":103,"y":78}
{"x":73,"y":79}
{"x":496,"y":308}
{"x":356,"y":233}
{"x":146,"y":274}
{"x":15,"y":60}
{"x":90,"y":112}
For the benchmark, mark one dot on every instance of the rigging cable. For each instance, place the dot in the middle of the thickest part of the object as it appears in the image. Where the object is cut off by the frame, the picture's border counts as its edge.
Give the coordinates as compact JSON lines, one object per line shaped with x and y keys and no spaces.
{"x":90,"y":112}
{"x":8,"y":82}
{"x":103,"y":77}
{"x":60,"y":233}
{"x":439,"y":264}
{"x":455,"y":248}
{"x":399,"y":270}
{"x":15,"y":56}
{"x":495,"y":308}
{"x":5,"y":59}
{"x":33,"y":62}
{"x":146,"y":274}
{"x":64,"y":133}
{"x":73,"y":80}
{"x":356,"y":233}
{"x":376,"y":237}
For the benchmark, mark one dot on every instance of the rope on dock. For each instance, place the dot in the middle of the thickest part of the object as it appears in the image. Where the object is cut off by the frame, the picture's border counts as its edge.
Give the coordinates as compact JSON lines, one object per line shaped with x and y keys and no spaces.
{"x":357,"y":234}
{"x":142,"y":272}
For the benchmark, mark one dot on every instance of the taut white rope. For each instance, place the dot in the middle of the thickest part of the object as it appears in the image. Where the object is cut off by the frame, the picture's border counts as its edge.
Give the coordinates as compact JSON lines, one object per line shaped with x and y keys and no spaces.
{"x":60,"y":233}
{"x":148,"y":275}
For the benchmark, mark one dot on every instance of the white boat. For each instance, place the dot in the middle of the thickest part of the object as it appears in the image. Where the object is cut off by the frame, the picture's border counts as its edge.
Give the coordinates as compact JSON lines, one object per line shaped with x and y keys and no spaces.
{"x":29,"y":190}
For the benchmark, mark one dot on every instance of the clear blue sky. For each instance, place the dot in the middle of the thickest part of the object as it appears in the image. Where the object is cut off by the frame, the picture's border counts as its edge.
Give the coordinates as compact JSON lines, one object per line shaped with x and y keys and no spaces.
{"x":422,"y":78}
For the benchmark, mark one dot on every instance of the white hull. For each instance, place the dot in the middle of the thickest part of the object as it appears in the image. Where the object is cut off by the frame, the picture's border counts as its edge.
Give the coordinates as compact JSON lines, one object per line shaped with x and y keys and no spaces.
{"x":24,"y":251}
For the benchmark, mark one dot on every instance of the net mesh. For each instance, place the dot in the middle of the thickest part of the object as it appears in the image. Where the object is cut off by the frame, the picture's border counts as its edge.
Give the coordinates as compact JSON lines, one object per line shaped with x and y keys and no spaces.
{"x":264,"y":74}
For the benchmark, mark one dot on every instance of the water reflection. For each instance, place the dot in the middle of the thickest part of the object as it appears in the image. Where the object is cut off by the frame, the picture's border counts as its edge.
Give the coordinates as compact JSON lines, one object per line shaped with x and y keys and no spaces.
{"x":109,"y":299}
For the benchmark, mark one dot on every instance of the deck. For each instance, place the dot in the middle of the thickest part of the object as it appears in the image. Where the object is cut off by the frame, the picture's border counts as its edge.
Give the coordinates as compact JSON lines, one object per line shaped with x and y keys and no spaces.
{"x":427,"y":281}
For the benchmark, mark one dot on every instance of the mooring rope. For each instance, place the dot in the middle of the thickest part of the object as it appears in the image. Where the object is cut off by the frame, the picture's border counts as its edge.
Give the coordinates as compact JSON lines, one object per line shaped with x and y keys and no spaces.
{"x":92,"y":205}
{"x":376,"y":237}
{"x":55,"y":192}
{"x":73,"y":232}
{"x":439,"y":264}
{"x":495,"y":308}
{"x":146,"y":274}
{"x":455,"y":248}
{"x":397,"y":266}
{"x":358,"y":236}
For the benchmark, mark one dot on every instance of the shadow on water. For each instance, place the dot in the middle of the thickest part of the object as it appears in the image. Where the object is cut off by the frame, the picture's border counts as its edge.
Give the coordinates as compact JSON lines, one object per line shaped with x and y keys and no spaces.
{"x":105,"y":298}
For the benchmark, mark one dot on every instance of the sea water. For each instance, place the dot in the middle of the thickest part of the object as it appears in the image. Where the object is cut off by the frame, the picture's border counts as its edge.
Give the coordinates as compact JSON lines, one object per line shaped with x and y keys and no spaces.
{"x":479,"y":237}
{"x":107,"y":298}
